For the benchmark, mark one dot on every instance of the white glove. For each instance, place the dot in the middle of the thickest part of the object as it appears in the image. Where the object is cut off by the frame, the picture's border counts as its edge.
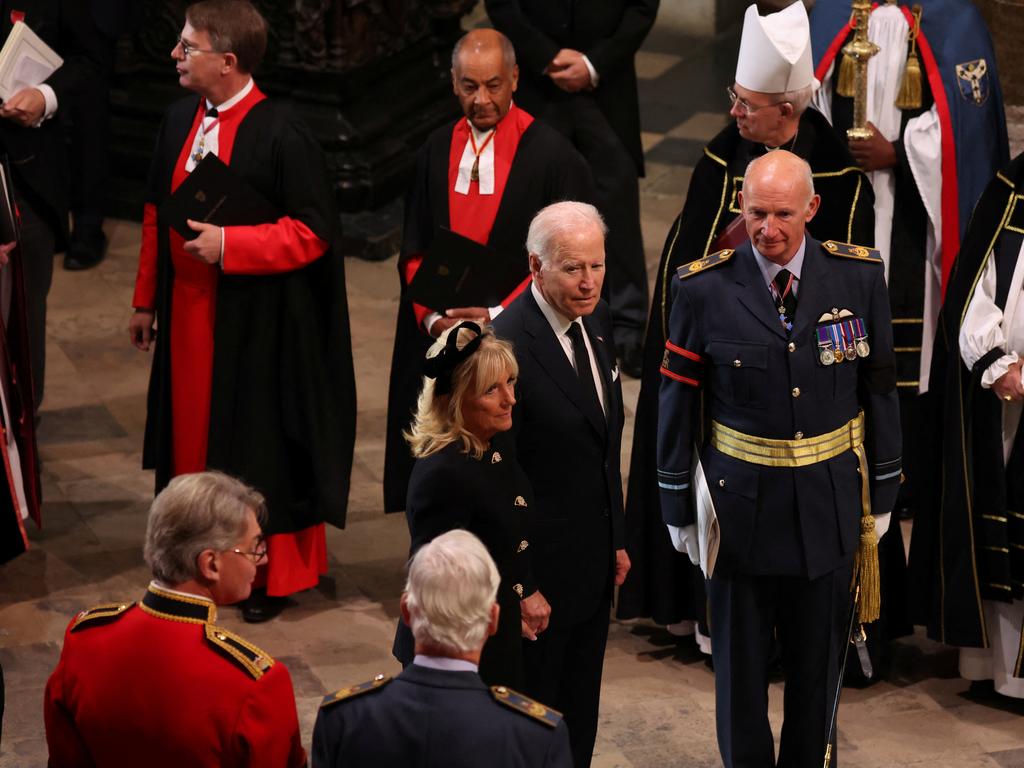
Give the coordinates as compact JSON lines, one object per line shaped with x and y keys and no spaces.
{"x":685,"y":540}
{"x":882,"y":524}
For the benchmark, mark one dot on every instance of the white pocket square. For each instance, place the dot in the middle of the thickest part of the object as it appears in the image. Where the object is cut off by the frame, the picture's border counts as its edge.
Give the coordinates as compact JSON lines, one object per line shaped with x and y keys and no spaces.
{"x":615,"y":373}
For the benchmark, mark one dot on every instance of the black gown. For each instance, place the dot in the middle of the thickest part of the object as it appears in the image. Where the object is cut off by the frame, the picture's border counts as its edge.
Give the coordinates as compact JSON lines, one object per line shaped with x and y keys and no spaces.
{"x":282,"y":399}
{"x":487,"y":497}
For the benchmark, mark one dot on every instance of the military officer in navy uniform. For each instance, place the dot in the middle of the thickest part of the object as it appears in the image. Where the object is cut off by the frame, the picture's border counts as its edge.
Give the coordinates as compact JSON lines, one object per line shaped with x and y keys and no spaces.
{"x":438,"y":712}
{"x":779,"y":368}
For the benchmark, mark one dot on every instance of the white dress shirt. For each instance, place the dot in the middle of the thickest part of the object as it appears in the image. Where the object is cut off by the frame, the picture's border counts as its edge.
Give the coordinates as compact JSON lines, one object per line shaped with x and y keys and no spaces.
{"x":560,"y":325}
{"x":444,"y":663}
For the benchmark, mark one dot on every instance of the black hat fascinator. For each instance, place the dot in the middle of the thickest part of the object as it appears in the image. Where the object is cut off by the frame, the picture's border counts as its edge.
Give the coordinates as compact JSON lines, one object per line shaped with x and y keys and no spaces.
{"x":441,"y":366}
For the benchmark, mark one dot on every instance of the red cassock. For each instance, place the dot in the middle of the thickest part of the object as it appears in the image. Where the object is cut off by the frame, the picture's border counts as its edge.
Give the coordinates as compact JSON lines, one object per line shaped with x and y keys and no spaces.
{"x":156,"y":684}
{"x":295,"y":560}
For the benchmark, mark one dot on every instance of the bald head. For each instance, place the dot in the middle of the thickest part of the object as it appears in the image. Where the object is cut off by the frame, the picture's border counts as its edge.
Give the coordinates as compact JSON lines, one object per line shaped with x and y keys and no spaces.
{"x":778,"y":201}
{"x":486,"y":41}
{"x":484,"y":76}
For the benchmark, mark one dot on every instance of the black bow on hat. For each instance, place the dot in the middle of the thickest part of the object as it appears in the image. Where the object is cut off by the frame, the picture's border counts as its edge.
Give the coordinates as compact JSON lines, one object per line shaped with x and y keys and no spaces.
{"x":441,"y":366}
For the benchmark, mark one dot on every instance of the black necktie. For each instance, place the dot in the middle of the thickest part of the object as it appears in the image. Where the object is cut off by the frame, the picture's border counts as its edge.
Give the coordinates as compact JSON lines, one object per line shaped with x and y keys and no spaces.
{"x":786,"y":297}
{"x":583,"y":369}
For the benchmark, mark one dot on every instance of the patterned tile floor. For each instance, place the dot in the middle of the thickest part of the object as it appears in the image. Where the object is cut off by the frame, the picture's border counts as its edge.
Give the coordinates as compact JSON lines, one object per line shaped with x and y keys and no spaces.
{"x":658,"y":698}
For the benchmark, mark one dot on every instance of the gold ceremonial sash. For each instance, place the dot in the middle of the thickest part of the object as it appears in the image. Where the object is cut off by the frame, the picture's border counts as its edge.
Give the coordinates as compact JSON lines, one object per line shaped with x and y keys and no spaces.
{"x":804,"y":452}
{"x":788,"y":453}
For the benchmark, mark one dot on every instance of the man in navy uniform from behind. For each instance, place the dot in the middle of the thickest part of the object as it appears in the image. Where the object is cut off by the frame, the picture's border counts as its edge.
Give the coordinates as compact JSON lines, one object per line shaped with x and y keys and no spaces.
{"x":788,"y":343}
{"x":438,"y":712}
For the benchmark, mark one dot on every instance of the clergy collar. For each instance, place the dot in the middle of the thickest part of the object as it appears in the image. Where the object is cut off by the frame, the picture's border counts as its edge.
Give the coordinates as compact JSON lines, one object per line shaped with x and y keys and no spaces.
{"x":170,"y":604}
{"x":769,"y":269}
{"x":224,"y":106}
{"x":559,"y":323}
{"x":444,"y":663}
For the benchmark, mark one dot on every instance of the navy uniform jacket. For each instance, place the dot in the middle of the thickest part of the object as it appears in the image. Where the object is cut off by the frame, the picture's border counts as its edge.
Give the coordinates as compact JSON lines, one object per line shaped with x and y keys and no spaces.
{"x":430,"y":717}
{"x":727,"y":344}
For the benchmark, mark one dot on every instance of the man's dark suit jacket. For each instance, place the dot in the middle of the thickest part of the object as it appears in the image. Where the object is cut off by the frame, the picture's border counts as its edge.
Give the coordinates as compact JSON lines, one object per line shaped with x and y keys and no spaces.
{"x":430,"y":717}
{"x":37,"y":155}
{"x":571,"y":456}
{"x":609,"y":33}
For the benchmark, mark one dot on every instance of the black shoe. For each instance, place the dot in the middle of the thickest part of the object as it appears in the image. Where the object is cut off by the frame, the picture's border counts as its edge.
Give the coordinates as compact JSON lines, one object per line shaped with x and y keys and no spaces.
{"x":260,"y":606}
{"x":631,"y":359}
{"x":85,"y":252}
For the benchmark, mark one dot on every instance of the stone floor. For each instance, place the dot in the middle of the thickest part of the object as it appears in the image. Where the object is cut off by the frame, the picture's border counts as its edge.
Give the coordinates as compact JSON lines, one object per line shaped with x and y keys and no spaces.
{"x":658,"y":699}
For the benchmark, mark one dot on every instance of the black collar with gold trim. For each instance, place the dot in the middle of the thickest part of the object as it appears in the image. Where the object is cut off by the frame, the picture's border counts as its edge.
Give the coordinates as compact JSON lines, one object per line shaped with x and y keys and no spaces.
{"x":177,"y":607}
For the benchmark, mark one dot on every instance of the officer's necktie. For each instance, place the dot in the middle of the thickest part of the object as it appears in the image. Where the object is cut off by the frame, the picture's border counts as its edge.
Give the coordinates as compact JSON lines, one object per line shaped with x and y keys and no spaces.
{"x":583,"y":369}
{"x":785,"y":297}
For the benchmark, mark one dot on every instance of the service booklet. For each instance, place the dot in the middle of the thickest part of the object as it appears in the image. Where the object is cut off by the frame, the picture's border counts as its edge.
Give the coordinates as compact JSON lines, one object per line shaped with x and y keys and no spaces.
{"x":459,"y":272}
{"x":214,"y":194}
{"x":25,"y":61}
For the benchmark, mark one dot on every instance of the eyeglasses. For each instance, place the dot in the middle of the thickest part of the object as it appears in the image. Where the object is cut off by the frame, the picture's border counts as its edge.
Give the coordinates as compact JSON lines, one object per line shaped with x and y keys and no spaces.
{"x":746,"y":106}
{"x":188,"y":49}
{"x":255,"y":555}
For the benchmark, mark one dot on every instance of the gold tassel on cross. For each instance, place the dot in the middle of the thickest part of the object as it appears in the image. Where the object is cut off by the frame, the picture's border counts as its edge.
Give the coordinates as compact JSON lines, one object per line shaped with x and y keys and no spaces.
{"x":909,"y":96}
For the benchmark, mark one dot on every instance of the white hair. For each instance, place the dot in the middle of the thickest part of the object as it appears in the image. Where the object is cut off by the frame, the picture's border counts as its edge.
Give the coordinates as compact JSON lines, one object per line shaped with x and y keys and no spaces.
{"x":550,"y":226}
{"x":800,"y":99}
{"x":450,"y":590}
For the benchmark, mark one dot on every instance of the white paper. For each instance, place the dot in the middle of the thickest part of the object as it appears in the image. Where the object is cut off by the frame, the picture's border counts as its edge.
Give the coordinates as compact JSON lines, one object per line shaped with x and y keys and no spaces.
{"x":707,"y":521}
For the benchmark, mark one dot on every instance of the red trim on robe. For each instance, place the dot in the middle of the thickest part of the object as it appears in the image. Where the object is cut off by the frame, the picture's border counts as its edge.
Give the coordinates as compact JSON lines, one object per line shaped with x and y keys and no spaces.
{"x":950,"y":187}
{"x":14,"y":496}
{"x":473,"y":215}
{"x":267,"y":249}
{"x":679,"y":377}
{"x":295,"y":561}
{"x":146,"y":277}
{"x":950,"y":184}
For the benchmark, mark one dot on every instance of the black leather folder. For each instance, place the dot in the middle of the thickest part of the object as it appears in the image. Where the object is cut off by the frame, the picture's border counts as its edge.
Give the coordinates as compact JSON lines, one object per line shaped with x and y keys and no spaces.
{"x":214,"y":194}
{"x":459,"y":272}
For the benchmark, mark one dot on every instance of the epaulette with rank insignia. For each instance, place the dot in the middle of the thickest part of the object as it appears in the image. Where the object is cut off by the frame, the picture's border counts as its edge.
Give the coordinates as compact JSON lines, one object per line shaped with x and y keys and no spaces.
{"x":355,"y":690}
{"x":704,"y":263}
{"x":101,"y":614}
{"x":850,"y":251}
{"x":526,"y":705}
{"x":252,"y":659}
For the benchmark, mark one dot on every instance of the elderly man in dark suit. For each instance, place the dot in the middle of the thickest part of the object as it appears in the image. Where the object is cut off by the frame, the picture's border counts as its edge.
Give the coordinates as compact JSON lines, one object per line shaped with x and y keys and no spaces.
{"x":438,"y":712}
{"x":577,"y":73}
{"x":568,"y":426}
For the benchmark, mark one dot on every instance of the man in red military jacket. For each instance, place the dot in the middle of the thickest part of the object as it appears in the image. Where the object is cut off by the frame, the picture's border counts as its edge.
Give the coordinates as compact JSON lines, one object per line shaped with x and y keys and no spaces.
{"x":252,"y":372}
{"x":156,"y":683}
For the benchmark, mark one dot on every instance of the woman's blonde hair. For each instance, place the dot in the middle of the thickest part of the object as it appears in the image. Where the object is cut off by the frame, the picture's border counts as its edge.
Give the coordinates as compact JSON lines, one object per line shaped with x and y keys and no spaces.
{"x":438,"y":421}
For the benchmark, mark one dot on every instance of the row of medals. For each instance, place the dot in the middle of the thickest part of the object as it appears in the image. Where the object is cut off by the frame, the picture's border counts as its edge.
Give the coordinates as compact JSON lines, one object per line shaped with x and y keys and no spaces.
{"x":849,"y":344}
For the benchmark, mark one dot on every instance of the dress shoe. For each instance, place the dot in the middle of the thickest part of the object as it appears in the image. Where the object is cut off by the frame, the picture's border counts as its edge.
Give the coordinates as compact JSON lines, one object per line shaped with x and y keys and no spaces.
{"x":631,"y":359}
{"x":85,"y":252}
{"x":260,"y":606}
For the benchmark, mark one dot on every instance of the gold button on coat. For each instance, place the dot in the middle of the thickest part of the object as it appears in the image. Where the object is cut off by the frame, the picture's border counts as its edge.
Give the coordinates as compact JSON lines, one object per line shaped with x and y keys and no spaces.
{"x":721,"y":483}
{"x":791,"y":347}
{"x":799,"y":435}
{"x":736,"y":363}
{"x":796,"y":391}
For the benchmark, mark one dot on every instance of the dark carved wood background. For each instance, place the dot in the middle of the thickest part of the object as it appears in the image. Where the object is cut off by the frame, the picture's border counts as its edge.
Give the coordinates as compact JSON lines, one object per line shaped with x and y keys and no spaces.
{"x":371,"y":77}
